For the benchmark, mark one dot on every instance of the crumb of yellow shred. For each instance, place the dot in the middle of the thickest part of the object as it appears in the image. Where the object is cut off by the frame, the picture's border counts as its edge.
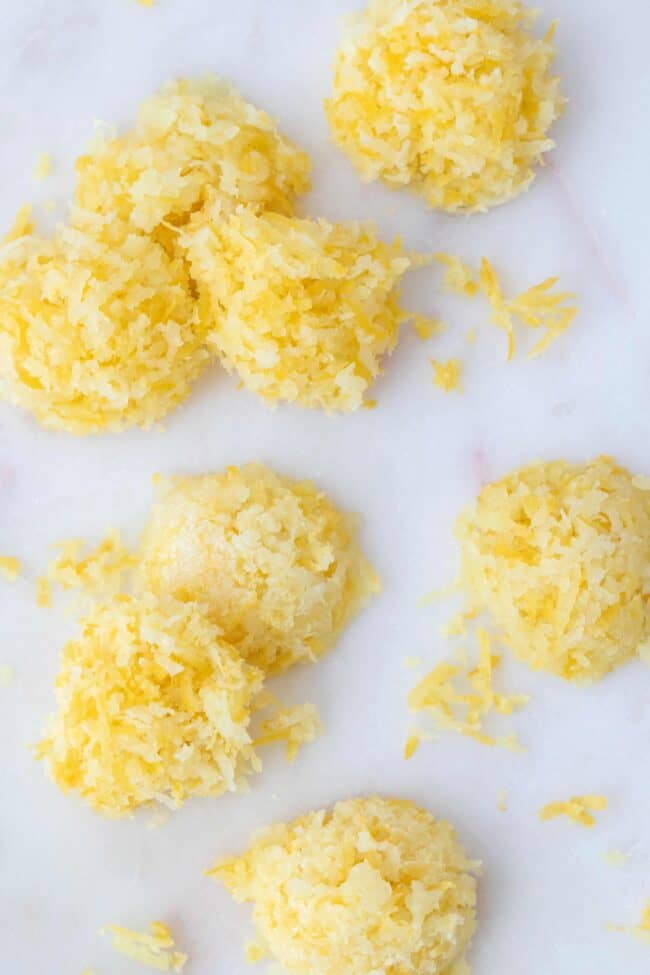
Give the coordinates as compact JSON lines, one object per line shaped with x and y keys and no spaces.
{"x":255,"y":950}
{"x":303,"y":310}
{"x":6,"y":675}
{"x":557,"y":554}
{"x":194,"y":141}
{"x":9,"y":568}
{"x":459,"y":277}
{"x":378,"y":884}
{"x":459,"y":699}
{"x":615,"y":858}
{"x":276,"y":564}
{"x":99,"y":328}
{"x":502,"y":802}
{"x":411,"y":745}
{"x":101,"y":572}
{"x":579,"y":809}
{"x":447,"y":375}
{"x":43,"y":166}
{"x":369,"y":404}
{"x":154,"y":950}
{"x":146,"y":3}
{"x":153,"y":705}
{"x":296,"y":726}
{"x":453,"y":98}
{"x":471,"y":336}
{"x":426,"y":327}
{"x":43,"y":593}
{"x":640,"y":930}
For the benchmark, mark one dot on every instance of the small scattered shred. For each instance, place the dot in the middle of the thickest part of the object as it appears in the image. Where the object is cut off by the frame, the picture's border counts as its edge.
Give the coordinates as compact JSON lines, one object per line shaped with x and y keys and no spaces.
{"x":100,"y":573}
{"x":558,"y":554}
{"x":459,"y":277}
{"x":153,"y":705}
{"x":459,"y":699}
{"x":640,"y":930}
{"x":276,"y":564}
{"x":579,"y":809}
{"x":297,"y":726}
{"x":453,"y":98}
{"x":373,"y":885}
{"x":447,"y":375}
{"x":146,"y":3}
{"x":155,"y":950}
{"x":502,"y":801}
{"x":411,"y":745}
{"x":43,"y":166}
{"x":426,"y":327}
{"x":43,"y":593}
{"x":615,"y":858}
{"x":303,"y":310}
{"x":471,"y":336}
{"x":9,"y":568}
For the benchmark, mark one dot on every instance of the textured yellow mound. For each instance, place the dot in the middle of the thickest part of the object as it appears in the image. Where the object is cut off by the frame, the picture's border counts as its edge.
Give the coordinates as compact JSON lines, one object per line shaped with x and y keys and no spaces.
{"x":153,"y":705}
{"x":277,"y":566}
{"x":98,"y":327}
{"x":451,"y":97}
{"x":193,"y":140}
{"x":376,"y":885}
{"x":303,"y":310}
{"x":559,"y":555}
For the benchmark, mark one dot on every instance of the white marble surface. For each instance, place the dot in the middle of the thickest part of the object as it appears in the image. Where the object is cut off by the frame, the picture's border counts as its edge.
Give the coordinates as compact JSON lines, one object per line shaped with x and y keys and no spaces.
{"x":407,"y":466}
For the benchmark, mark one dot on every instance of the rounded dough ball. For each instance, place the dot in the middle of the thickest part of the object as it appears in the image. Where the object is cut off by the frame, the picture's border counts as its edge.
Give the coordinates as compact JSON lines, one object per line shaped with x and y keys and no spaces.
{"x":276,"y":565}
{"x":452,"y":97}
{"x":559,"y":555}
{"x":374,"y":885}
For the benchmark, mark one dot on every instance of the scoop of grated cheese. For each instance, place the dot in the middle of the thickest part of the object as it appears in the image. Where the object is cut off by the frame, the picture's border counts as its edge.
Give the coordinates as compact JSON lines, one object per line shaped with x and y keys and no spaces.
{"x":297,"y":726}
{"x":447,"y":375}
{"x":278,"y":567}
{"x":453,"y":98}
{"x":98,"y":327}
{"x":459,"y":699}
{"x":101,"y":572}
{"x":374,"y":885}
{"x":153,"y":705}
{"x":558,"y":554}
{"x":194,"y":141}
{"x":155,"y":950}
{"x":9,"y":568}
{"x":303,"y":310}
{"x":579,"y":809}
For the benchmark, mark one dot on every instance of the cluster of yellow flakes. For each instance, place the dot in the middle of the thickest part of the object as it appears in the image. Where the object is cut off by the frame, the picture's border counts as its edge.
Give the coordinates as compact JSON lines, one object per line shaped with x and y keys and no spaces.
{"x":453,"y":98}
{"x":373,"y":885}
{"x":155,"y":950}
{"x":579,"y":809}
{"x":237,"y":576}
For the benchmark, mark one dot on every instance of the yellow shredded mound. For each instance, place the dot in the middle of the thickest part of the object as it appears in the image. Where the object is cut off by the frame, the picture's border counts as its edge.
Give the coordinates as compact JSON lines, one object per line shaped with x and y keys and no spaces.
{"x":153,"y":705}
{"x":302,"y":310}
{"x":100,"y":572}
{"x":558,"y":554}
{"x":98,"y":327}
{"x":278,"y":567}
{"x":452,"y":97}
{"x":374,"y":885}
{"x":194,"y":141}
{"x":155,"y":950}
{"x":9,"y":568}
{"x":447,"y":374}
{"x":460,"y":699}
{"x":578,"y":809}
{"x":297,"y":726}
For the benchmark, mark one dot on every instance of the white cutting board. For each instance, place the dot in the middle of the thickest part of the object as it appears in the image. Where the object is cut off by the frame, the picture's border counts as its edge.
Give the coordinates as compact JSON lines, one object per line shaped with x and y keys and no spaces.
{"x":407,"y":466}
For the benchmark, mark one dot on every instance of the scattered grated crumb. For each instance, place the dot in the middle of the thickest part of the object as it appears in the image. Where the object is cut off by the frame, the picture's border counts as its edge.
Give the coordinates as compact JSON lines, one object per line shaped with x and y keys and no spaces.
{"x":578,"y":809}
{"x":6,"y":675}
{"x":43,"y":593}
{"x":146,"y":3}
{"x":49,"y":205}
{"x":43,"y":166}
{"x":154,"y":950}
{"x":296,"y":725}
{"x":459,"y":277}
{"x":9,"y":568}
{"x":447,"y":375}
{"x":99,"y":573}
{"x":256,"y":949}
{"x":427,"y":327}
{"x":369,"y":404}
{"x":640,"y":930}
{"x":471,"y":336}
{"x":412,"y":744}
{"x":615,"y":858}
{"x":455,"y":708}
{"x":502,"y":801}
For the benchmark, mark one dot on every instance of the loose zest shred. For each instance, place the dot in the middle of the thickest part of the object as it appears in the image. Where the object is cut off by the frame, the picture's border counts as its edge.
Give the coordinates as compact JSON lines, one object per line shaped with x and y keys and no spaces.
{"x":155,"y":950}
{"x":297,"y":726}
{"x":303,"y":310}
{"x":153,"y":705}
{"x":459,"y":699}
{"x":43,"y":593}
{"x":558,"y":555}
{"x":426,"y":327}
{"x":459,"y":277}
{"x":43,"y":166}
{"x":100,"y":573}
{"x":453,"y":98}
{"x":378,"y":884}
{"x":9,"y":568}
{"x":578,"y":809}
{"x":447,"y":375}
{"x":276,"y":564}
